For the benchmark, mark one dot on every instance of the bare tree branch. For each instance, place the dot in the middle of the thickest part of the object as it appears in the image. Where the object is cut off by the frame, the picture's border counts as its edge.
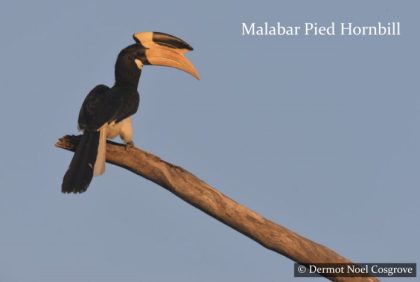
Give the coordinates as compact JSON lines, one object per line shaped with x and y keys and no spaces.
{"x":201,"y":195}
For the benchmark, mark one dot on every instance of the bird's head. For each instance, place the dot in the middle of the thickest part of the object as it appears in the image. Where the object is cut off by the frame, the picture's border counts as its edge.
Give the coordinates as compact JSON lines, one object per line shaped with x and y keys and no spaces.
{"x":159,"y":49}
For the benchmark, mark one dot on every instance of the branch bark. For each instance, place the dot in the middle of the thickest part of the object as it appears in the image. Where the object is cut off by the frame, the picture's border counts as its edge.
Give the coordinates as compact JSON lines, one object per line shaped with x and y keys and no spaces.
{"x":204,"y":197}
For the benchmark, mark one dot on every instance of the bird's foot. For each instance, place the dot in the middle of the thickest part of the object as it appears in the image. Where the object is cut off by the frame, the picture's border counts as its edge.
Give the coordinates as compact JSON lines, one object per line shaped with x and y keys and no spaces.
{"x":129,"y":145}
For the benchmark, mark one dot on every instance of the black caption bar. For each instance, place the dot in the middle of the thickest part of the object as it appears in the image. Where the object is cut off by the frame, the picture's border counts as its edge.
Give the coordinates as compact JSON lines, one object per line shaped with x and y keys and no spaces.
{"x":356,"y":270}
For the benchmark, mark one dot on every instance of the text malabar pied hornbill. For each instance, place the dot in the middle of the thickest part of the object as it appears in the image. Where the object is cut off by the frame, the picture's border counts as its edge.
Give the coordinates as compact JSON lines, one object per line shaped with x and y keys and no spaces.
{"x":106,"y":112}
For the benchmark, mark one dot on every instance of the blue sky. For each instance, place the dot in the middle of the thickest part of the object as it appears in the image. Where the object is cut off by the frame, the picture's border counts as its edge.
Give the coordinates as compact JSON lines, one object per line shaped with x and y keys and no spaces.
{"x":318,"y":134}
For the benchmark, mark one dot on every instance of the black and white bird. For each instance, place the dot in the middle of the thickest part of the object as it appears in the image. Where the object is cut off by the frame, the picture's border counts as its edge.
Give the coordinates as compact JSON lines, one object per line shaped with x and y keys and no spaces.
{"x":106,"y":112}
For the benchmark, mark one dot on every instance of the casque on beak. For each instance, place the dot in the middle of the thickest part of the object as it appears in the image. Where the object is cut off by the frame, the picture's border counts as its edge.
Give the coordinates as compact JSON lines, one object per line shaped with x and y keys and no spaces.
{"x":162,"y":49}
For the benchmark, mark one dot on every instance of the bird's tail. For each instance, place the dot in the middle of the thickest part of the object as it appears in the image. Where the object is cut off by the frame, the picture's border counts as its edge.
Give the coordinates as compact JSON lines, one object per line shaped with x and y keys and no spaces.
{"x":80,"y":172}
{"x":99,"y":168}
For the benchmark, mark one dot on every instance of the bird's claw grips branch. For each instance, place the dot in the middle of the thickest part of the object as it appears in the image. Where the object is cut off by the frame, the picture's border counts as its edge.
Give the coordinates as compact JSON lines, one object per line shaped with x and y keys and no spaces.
{"x":214,"y":203}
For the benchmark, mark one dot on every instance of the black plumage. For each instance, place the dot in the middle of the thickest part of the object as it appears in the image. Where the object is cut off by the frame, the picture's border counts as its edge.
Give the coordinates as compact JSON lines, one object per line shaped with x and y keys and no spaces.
{"x":105,"y":111}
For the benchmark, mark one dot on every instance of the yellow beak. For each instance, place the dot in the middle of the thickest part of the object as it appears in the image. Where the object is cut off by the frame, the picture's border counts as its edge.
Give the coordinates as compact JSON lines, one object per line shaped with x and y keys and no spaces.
{"x":166,"y":50}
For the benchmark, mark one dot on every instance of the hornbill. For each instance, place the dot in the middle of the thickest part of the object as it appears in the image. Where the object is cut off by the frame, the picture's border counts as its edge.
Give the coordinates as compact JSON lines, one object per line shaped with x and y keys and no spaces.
{"x":106,"y":112}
